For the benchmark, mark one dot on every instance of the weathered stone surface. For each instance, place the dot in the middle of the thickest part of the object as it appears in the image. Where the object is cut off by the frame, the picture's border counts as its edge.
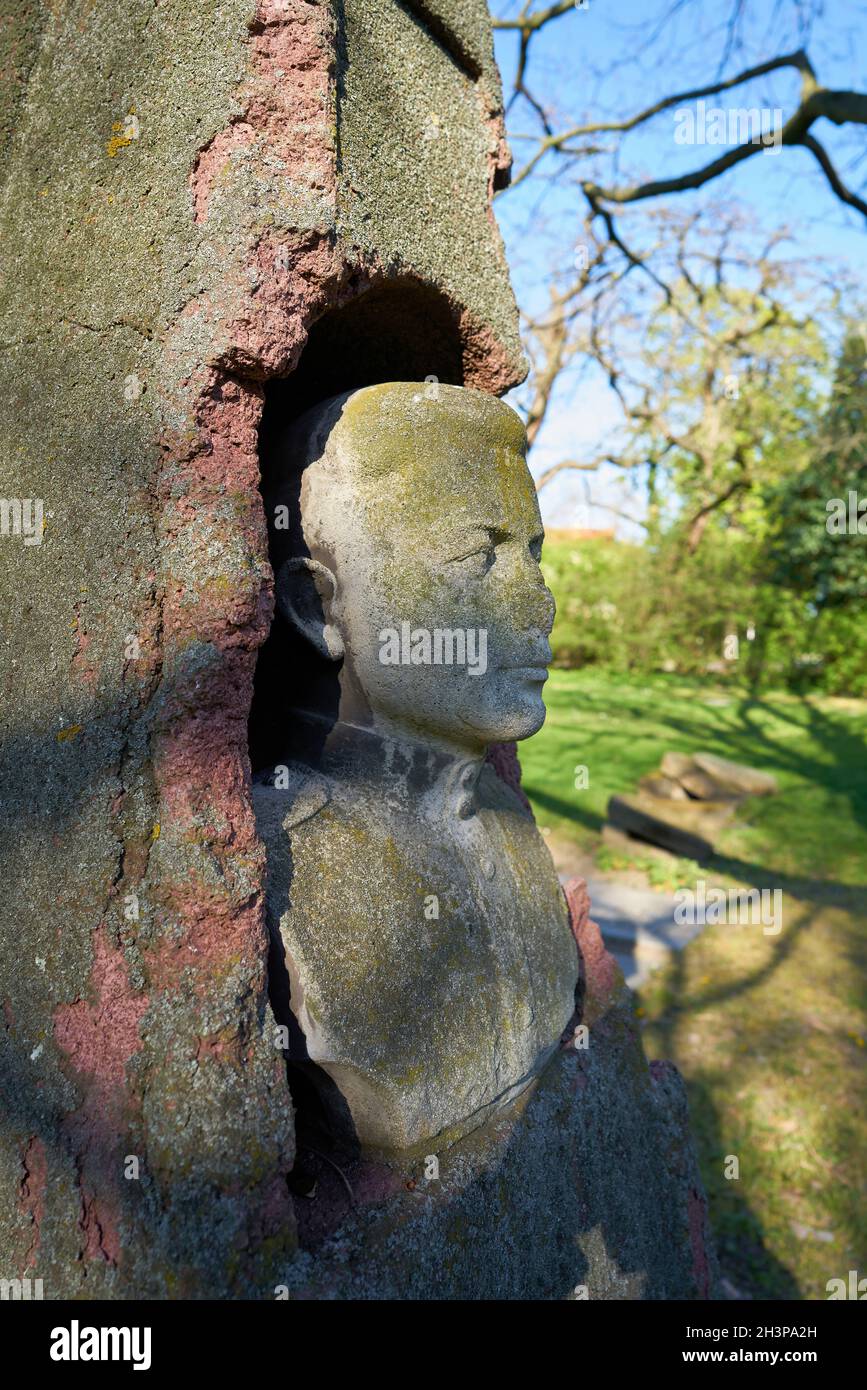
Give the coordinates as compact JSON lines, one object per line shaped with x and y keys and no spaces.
{"x":178,"y":236}
{"x":585,"y":1187}
{"x":735,"y":779}
{"x":710,"y":778}
{"x":429,"y":957}
{"x":666,"y":787}
{"x":424,"y":1025}
{"x":673,"y":765}
{"x":625,"y":844}
{"x":174,"y":229}
{"x":420,"y":88}
{"x":700,"y":786}
{"x":651,"y":818}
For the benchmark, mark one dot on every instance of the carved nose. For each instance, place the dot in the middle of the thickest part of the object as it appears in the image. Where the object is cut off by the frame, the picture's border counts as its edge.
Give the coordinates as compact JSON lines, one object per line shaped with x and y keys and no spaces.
{"x":536,"y":608}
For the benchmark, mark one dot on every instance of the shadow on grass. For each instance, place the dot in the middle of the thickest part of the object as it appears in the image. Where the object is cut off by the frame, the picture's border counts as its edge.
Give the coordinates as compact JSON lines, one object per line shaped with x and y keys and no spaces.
{"x":738,"y":1228}
{"x":807,"y":746}
{"x":558,"y":807}
{"x":740,"y":733}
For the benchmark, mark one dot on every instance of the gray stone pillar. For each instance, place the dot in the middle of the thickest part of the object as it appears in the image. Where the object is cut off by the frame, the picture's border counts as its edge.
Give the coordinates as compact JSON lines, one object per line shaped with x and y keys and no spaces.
{"x":188,"y":190}
{"x":204,"y":207}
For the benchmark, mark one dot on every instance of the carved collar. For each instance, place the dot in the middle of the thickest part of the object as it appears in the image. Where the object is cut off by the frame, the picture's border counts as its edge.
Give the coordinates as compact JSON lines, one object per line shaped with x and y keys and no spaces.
{"x":401,"y":772}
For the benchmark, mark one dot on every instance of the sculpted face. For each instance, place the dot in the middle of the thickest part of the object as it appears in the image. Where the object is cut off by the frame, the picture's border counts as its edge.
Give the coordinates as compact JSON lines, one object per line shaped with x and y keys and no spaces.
{"x":418,"y":563}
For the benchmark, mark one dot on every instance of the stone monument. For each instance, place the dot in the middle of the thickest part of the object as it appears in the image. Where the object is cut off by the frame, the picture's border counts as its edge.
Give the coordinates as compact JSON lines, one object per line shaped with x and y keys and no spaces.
{"x":426,"y":938}
{"x":214,"y":217}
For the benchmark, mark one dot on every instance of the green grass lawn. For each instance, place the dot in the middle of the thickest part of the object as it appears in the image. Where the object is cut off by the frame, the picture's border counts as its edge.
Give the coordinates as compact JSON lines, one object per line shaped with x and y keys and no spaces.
{"x":769,"y":1031}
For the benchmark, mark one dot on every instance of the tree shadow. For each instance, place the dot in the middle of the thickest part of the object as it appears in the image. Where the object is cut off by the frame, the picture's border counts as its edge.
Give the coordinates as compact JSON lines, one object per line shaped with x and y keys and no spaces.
{"x":750,"y":731}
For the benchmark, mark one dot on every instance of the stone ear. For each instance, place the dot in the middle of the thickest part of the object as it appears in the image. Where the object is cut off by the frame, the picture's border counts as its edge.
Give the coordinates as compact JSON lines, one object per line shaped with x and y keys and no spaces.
{"x":306,"y":591}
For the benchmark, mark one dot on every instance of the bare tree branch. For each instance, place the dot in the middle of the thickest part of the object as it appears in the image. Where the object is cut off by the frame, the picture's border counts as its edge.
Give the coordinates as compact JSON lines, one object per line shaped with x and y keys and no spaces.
{"x":549,"y":473}
{"x":798,"y":60}
{"x":839,"y":106}
{"x":529,"y":23}
{"x":698,"y":522}
{"x":844,"y":194}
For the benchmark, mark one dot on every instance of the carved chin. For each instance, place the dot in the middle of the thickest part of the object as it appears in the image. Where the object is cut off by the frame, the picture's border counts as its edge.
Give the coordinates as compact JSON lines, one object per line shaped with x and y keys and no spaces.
{"x":528,"y":722}
{"x":518,"y":717}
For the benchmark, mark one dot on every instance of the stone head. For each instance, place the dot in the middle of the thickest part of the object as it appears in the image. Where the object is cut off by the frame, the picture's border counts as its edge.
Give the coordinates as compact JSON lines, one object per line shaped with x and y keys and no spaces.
{"x":406,"y":540}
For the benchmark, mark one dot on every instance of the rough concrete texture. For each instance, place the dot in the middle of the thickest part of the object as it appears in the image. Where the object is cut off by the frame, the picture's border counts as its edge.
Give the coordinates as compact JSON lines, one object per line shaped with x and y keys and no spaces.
{"x":421,"y":107}
{"x":586,"y":1188}
{"x":175,"y":216}
{"x":187,"y":191}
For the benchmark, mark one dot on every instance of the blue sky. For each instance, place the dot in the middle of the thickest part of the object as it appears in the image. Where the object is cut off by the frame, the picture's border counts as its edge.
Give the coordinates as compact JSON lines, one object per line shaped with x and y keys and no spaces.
{"x":609,"y":61}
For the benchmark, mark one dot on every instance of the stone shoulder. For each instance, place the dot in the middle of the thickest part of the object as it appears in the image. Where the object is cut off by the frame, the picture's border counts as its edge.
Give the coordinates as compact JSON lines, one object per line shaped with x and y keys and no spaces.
{"x":497,"y":795}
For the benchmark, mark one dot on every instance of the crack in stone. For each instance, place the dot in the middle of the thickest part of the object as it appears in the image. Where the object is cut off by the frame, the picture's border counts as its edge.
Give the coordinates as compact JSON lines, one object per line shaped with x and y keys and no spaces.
{"x":443,"y":36}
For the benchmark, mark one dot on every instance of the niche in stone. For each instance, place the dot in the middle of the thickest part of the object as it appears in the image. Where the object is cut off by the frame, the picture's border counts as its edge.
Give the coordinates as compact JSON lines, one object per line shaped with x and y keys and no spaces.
{"x":396,"y":330}
{"x":426,"y":965}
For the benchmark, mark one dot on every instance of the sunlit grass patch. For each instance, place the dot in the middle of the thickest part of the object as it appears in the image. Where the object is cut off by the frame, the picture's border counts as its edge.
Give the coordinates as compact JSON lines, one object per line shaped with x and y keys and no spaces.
{"x":770,"y":1031}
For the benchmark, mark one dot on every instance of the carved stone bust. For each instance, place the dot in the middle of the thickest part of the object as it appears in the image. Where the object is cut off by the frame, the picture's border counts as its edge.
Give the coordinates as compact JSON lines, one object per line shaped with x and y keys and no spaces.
{"x":429,"y":956}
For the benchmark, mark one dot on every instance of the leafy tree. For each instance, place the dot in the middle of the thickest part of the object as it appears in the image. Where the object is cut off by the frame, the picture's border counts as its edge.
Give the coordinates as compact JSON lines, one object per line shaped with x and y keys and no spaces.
{"x":819,"y":541}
